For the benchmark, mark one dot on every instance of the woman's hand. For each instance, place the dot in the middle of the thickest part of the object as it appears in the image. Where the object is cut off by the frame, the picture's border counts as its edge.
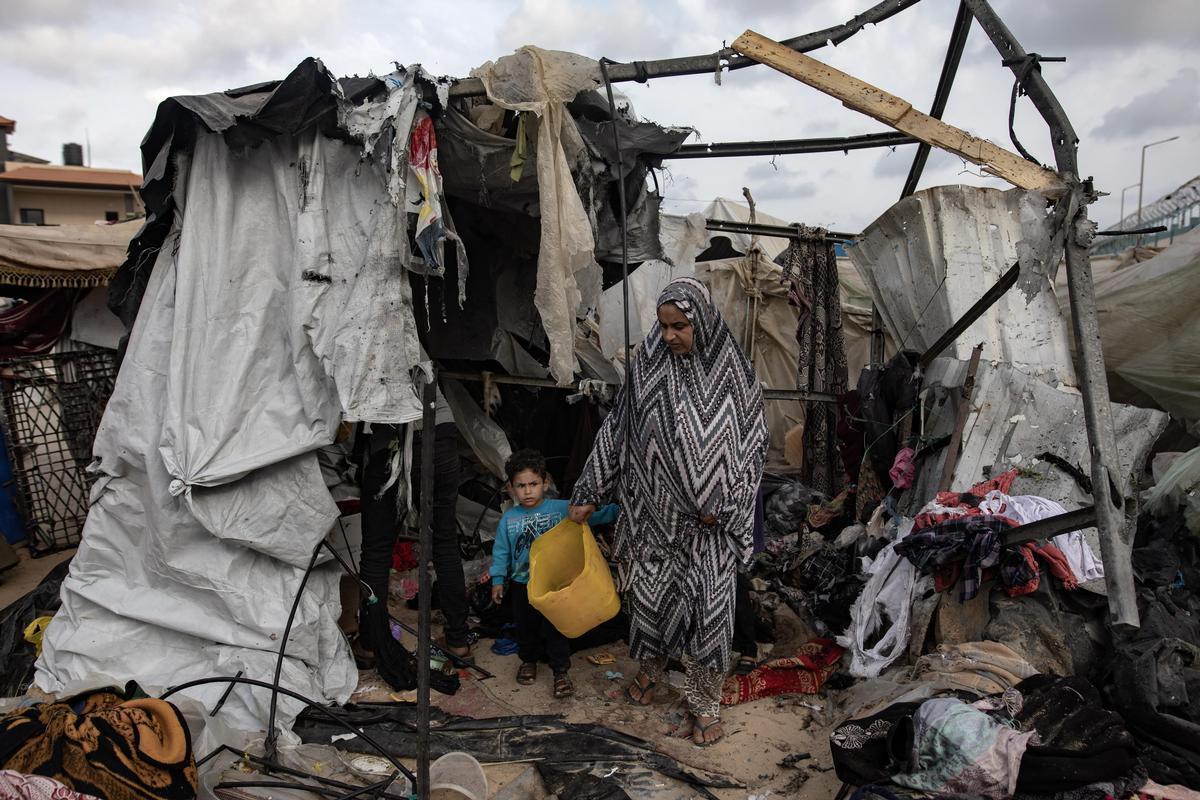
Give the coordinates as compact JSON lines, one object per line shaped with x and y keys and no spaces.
{"x":709,"y":519}
{"x":580,"y":514}
{"x":497,"y":594}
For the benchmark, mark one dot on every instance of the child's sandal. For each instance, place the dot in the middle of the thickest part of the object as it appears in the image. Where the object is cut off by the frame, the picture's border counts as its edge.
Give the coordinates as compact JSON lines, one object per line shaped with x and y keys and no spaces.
{"x":562,"y":686}
{"x":527,"y":673}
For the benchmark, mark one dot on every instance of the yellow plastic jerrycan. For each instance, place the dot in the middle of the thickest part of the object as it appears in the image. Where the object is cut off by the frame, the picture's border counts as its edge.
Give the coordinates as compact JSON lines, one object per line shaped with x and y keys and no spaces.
{"x":569,"y":580}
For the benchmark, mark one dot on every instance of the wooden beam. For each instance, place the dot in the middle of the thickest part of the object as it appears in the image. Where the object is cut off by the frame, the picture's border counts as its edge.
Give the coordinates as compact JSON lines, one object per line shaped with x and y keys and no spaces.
{"x":899,"y":114}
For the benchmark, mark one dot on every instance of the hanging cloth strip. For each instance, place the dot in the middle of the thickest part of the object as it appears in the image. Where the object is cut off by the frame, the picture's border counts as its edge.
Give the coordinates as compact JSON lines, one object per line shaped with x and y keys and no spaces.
{"x":810,"y":270}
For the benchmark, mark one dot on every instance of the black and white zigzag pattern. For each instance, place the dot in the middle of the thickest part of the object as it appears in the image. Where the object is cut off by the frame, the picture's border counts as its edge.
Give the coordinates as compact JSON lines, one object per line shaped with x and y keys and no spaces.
{"x":697,"y":443}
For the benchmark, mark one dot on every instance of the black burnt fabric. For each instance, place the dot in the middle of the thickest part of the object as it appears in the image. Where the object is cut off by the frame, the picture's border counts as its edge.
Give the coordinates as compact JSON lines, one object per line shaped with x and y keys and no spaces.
{"x":1155,"y":669}
{"x":1081,"y":741}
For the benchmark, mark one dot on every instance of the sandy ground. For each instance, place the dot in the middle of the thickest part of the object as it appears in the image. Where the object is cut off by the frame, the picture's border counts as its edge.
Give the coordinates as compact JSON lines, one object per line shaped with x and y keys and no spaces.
{"x":758,"y":735}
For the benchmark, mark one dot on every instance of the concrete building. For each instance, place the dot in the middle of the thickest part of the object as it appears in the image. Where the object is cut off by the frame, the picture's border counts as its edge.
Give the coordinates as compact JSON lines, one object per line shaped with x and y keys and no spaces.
{"x":36,"y":192}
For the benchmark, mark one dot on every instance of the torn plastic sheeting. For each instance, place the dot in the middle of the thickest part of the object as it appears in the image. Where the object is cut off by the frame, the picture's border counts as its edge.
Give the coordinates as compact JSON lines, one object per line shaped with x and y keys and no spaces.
{"x":541,"y":82}
{"x":503,"y":739}
{"x":320,"y":327}
{"x":879,"y":629}
{"x":1149,"y":327}
{"x":486,"y":438}
{"x":931,"y":256}
{"x":1176,"y":488}
{"x":475,"y":167}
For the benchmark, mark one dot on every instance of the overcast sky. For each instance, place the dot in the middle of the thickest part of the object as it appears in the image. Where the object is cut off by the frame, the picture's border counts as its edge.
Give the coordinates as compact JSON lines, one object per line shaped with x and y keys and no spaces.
{"x":1131,"y":77}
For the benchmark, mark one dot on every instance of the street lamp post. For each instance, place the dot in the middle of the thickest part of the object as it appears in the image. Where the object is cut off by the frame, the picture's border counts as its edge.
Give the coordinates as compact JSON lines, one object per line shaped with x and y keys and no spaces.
{"x":1142,"y":175}
{"x":1123,"y":191}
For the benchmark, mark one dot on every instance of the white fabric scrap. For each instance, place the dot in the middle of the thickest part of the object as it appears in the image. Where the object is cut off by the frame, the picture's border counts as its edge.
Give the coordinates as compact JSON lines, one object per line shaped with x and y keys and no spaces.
{"x":881,"y":613}
{"x":542,"y":82}
{"x":1026,"y":508}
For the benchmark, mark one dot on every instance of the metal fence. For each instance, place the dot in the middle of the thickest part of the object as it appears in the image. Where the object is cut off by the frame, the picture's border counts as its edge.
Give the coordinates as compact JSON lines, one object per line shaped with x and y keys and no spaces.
{"x":51,"y":408}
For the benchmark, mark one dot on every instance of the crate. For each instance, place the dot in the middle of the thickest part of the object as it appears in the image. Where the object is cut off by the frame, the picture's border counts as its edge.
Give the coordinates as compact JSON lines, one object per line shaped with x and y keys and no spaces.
{"x":51,"y":408}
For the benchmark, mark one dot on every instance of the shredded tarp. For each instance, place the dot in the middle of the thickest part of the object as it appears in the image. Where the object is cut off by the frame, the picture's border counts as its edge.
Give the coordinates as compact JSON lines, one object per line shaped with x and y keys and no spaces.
{"x":152,"y":595}
{"x":1149,"y":325}
{"x":541,"y":82}
{"x":62,"y":256}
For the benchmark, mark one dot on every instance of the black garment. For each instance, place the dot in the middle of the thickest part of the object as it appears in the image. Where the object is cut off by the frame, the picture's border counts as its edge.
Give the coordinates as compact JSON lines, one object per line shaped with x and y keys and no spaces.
{"x":1081,"y":741}
{"x":871,"y":749}
{"x":380,"y":519}
{"x":536,"y":636}
{"x":744,"y":619}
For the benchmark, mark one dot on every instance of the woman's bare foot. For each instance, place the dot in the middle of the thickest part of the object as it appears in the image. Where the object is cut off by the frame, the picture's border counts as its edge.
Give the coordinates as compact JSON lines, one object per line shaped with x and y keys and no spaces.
{"x":707,"y":731}
{"x":641,"y":691}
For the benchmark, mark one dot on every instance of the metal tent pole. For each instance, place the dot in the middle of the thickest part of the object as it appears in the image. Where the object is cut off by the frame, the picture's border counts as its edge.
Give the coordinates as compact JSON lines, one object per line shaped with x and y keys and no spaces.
{"x":428,"y":424}
{"x":958,"y":43}
{"x":1107,"y":478}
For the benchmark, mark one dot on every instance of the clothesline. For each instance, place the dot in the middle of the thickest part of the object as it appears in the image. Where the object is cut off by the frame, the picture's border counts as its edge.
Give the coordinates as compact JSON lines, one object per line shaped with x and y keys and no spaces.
{"x":548,"y":383}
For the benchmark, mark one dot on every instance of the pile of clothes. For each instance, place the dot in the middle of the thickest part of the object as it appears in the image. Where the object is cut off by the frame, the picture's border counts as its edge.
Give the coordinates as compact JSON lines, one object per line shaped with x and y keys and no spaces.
{"x":1046,"y":736}
{"x":959,"y":537}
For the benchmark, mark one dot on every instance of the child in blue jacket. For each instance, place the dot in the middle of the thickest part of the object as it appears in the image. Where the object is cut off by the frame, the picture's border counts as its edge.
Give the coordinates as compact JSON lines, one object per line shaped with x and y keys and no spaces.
{"x":530,"y":517}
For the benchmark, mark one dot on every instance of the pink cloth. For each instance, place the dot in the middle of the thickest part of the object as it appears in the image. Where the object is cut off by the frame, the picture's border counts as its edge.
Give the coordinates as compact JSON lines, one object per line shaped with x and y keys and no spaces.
{"x":35,"y":787}
{"x":903,"y":469}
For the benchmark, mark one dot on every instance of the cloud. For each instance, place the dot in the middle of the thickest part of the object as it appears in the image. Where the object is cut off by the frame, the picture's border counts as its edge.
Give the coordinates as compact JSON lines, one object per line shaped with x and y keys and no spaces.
{"x":769,"y":180}
{"x":622,"y":30}
{"x":1175,"y":103}
{"x":1101,"y":24}
{"x":208,"y":40}
{"x":895,"y":163}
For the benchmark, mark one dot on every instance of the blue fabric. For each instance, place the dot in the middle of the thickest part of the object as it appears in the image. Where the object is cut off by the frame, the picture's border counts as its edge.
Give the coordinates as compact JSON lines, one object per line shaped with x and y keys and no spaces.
{"x":504,"y":647}
{"x":520,"y":526}
{"x":11,"y":524}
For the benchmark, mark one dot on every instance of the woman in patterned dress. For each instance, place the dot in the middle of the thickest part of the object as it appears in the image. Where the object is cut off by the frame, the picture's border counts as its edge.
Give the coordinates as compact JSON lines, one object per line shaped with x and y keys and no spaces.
{"x":682,"y":453}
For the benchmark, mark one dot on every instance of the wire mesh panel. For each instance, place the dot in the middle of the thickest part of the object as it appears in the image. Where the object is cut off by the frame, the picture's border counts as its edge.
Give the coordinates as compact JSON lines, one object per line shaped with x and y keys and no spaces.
{"x":51,"y":410}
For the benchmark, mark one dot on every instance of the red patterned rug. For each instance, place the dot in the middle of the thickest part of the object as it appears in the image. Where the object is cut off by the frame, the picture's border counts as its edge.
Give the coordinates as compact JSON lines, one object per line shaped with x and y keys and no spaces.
{"x":803,"y":673}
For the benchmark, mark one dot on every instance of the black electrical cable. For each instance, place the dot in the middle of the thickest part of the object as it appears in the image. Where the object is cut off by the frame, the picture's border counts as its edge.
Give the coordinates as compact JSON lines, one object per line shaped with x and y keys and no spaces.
{"x":296,"y":696}
{"x":271,"y":766}
{"x":269,"y":745}
{"x":337,"y":794}
{"x":458,"y":660}
{"x":628,"y":389}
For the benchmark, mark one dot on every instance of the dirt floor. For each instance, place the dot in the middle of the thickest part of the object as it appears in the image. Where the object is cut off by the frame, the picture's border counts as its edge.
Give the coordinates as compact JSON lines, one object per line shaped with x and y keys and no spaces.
{"x":759,"y":735}
{"x":23,"y":578}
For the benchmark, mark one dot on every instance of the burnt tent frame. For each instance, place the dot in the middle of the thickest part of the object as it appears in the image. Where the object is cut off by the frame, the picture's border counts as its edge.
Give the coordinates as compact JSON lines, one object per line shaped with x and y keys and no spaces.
{"x":1070,"y":217}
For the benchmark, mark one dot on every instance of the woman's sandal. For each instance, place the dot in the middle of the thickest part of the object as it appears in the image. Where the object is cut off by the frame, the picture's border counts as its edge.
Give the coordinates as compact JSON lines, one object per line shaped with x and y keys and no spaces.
{"x":745,"y":665}
{"x":702,"y":728}
{"x":527,"y":673}
{"x":640,"y":698}
{"x":685,"y":728}
{"x":563,"y":687}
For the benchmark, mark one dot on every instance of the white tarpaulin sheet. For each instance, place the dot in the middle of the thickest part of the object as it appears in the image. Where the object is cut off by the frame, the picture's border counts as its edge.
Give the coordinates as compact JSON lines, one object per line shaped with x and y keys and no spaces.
{"x":278,"y":306}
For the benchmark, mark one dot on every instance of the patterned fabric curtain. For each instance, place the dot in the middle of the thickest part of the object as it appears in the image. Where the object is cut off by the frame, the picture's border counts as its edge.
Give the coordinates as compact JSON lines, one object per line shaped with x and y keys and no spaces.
{"x":810,"y":270}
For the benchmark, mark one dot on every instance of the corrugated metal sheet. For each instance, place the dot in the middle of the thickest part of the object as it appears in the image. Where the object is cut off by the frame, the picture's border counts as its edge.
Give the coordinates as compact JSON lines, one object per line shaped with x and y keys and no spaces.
{"x":929,"y":257}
